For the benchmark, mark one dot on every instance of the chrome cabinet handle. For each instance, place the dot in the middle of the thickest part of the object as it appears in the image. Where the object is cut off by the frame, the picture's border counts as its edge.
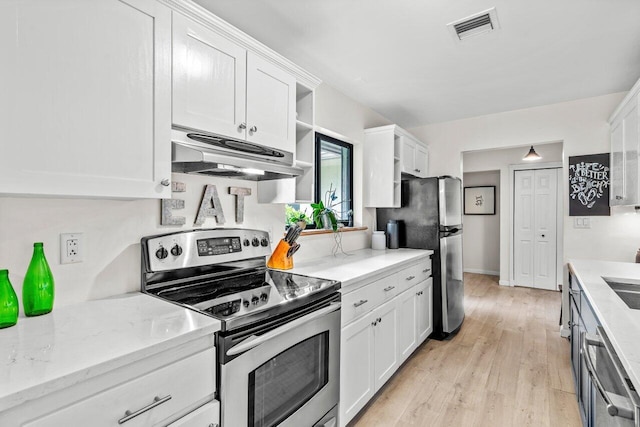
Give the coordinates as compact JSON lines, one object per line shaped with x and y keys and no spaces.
{"x":388,"y":288}
{"x":165,"y":182}
{"x":128,"y":415}
{"x":242,"y":126}
{"x":359,"y":303}
{"x":411,"y":277}
{"x":622,"y":407}
{"x":426,"y":270}
{"x":374,"y":323}
{"x":618,"y":197}
{"x":253,"y":129}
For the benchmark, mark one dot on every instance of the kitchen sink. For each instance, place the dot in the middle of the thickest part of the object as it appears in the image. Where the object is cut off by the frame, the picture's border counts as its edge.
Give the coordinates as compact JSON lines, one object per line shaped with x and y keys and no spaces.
{"x":627,"y":289}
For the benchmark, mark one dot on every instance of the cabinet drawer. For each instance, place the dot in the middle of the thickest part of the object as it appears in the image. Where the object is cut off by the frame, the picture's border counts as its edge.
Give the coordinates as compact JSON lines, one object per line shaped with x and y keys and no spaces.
{"x":368,"y":297}
{"x":185,"y":382}
{"x":411,"y":276}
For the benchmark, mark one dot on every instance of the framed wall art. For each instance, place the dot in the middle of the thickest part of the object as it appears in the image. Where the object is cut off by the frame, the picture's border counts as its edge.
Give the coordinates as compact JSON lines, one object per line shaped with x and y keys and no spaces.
{"x":589,"y":185}
{"x":480,"y":200}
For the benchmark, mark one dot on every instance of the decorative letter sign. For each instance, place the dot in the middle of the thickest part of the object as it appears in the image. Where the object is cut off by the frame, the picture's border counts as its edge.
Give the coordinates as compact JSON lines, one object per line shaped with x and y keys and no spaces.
{"x":589,"y":185}
{"x":166,"y":218}
{"x":240,"y":192}
{"x":210,"y":206}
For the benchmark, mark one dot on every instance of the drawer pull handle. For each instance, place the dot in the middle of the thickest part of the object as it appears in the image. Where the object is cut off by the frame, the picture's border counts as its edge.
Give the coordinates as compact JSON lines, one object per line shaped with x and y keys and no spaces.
{"x":426,"y":270}
{"x":379,"y":319}
{"x":128,"y":415}
{"x":411,"y":277}
{"x":388,"y":288}
{"x":359,"y":303}
{"x":419,"y":293}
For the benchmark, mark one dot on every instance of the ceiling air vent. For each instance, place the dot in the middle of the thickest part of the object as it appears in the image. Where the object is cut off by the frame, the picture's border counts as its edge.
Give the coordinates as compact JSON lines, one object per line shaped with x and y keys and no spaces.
{"x":474,"y":25}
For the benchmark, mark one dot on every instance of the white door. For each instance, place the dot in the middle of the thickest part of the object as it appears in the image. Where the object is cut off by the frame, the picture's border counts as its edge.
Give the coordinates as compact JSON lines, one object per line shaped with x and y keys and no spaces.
{"x":407,"y":323}
{"x":424,"y":294}
{"x":271,"y":105}
{"x":386,"y":342}
{"x":535,"y":222}
{"x":209,"y":80}
{"x":85,"y":98}
{"x":356,"y":367}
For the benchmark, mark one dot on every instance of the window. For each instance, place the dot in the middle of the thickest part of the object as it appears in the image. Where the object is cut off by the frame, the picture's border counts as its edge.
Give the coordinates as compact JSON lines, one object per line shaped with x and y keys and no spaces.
{"x":334,"y":175}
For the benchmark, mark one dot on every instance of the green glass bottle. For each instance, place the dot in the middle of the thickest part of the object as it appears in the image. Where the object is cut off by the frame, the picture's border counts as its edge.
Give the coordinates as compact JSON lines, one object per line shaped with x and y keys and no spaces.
{"x":37,"y":291}
{"x":8,"y":301}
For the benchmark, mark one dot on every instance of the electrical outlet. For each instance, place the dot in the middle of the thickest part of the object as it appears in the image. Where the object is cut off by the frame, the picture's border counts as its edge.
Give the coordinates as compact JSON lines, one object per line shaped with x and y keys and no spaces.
{"x":582,"y":222}
{"x":71,"y":248}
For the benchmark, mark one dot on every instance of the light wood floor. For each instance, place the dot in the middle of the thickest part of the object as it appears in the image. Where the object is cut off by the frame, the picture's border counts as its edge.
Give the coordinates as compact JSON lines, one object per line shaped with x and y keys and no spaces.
{"x":507,"y":366}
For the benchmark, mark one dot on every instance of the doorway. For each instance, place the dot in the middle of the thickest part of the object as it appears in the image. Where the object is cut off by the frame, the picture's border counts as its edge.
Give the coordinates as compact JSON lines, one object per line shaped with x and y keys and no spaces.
{"x":535,"y":227}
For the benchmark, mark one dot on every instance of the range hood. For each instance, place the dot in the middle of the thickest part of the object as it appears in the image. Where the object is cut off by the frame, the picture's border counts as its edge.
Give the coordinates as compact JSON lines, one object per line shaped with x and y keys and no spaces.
{"x":211,"y":155}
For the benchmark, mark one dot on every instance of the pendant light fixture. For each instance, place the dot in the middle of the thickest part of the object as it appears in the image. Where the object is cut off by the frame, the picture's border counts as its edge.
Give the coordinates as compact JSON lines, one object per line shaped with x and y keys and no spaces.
{"x":532,"y":155}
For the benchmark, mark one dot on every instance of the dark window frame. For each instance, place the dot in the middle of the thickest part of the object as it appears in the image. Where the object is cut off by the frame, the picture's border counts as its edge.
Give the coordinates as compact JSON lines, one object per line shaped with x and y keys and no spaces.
{"x":319,"y":137}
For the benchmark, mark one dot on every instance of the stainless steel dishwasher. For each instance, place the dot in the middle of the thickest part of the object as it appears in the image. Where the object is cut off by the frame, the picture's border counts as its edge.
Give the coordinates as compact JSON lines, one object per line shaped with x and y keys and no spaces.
{"x":615,"y":401}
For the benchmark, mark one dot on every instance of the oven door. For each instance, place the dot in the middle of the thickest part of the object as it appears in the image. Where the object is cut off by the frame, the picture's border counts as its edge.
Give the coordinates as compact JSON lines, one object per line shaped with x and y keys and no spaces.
{"x":288,"y":376}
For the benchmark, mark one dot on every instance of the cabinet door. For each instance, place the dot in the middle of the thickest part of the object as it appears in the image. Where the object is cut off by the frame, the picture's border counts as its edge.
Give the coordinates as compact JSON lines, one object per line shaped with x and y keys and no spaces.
{"x":209,"y":80}
{"x":386,"y":342}
{"x":421,"y":161}
{"x":575,"y":341}
{"x":631,"y":141}
{"x":356,"y":367}
{"x":407,"y":323}
{"x":86,"y":98}
{"x":408,"y":156}
{"x":425,"y":309}
{"x":617,"y":164}
{"x":271,"y":105}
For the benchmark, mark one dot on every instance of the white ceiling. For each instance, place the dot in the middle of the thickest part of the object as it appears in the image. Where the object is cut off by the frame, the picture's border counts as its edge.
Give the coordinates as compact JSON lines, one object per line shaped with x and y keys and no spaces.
{"x":399,"y":58}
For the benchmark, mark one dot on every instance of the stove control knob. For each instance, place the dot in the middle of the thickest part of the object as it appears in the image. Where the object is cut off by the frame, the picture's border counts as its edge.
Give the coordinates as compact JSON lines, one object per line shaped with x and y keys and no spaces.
{"x":255,"y":300}
{"x":246,"y":242}
{"x":162,"y":253}
{"x":246,"y":303}
{"x":264,"y":297}
{"x":176,"y":250}
{"x":255,"y":242}
{"x":264,"y":242}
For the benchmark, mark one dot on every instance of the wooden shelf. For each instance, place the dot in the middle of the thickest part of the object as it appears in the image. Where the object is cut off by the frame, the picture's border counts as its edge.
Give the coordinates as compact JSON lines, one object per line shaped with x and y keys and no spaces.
{"x":340,"y":230}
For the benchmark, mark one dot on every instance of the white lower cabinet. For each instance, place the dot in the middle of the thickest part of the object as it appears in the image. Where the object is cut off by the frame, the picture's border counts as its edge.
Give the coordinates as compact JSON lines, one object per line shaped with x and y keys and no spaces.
{"x":381,"y":329}
{"x":205,"y":416}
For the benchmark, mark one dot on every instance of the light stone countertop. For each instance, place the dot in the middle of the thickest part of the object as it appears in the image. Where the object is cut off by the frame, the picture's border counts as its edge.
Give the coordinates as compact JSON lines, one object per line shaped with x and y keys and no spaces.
{"x":47,"y":353}
{"x":620,"y":323}
{"x":360,"y":265}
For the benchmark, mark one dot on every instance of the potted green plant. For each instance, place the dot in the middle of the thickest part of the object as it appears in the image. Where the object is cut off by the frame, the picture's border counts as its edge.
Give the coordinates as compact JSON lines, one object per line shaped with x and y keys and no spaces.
{"x":324,"y":214}
{"x":295,"y":216}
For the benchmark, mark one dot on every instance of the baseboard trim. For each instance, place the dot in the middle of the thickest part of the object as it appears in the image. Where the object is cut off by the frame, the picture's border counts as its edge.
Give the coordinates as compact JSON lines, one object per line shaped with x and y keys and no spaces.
{"x":480,"y":271}
{"x":504,"y":283}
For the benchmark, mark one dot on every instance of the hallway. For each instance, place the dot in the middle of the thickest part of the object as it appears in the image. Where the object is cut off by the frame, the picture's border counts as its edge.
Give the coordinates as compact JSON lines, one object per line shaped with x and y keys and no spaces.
{"x":507,"y":366}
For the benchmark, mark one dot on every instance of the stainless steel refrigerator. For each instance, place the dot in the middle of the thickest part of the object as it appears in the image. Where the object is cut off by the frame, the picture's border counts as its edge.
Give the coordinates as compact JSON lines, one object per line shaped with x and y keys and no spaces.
{"x":430,"y":217}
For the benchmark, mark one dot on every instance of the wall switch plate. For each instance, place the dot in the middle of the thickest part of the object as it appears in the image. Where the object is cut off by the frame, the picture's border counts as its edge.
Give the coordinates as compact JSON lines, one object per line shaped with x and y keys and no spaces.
{"x":582,"y":222}
{"x":71,"y":248}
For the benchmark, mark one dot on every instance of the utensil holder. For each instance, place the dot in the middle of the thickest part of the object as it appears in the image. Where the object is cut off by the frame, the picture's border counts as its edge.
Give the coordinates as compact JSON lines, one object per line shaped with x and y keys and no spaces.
{"x":279,"y":259}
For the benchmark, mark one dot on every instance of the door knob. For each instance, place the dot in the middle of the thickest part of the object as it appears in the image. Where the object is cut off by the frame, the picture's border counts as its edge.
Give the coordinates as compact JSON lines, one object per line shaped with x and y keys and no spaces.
{"x":242,"y":126}
{"x":253,"y":129}
{"x":165,"y":182}
{"x":543,"y":235}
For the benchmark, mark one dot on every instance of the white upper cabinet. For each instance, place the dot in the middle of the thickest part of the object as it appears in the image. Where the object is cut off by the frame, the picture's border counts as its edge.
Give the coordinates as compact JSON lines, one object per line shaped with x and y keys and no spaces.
{"x":209,"y":80}
{"x":220,"y":87}
{"x":625,"y":149}
{"x":389,"y":152}
{"x":271,"y":105}
{"x":86,"y":98}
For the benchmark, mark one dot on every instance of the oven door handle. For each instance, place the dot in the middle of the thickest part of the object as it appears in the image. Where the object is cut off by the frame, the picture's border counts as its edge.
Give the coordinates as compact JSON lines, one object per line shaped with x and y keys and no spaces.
{"x":255,"y":340}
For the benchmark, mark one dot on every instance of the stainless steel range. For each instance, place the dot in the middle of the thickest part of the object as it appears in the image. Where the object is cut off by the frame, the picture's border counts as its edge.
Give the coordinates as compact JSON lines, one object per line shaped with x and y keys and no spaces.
{"x":279,"y":347}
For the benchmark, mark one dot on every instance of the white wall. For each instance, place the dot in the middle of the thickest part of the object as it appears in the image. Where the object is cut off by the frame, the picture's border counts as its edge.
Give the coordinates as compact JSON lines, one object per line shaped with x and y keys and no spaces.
{"x":500,"y":159}
{"x":481,"y":239}
{"x":113,"y":228}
